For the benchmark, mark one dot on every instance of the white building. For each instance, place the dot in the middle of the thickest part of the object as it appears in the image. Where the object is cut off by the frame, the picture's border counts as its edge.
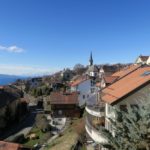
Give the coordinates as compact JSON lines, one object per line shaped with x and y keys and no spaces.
{"x":86,"y":88}
{"x":86,"y":84}
{"x":132,"y":89}
{"x":101,"y":72}
{"x":143,"y":60}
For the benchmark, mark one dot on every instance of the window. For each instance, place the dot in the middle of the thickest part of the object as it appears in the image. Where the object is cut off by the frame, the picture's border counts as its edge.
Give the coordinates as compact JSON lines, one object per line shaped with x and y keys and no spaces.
{"x":59,"y":112}
{"x":83,"y":96}
{"x":48,"y":103}
{"x":92,"y":90}
{"x":92,"y":83}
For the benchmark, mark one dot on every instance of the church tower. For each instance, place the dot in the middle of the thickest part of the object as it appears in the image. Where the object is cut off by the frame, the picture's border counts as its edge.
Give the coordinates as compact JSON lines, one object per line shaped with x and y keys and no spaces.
{"x":92,"y":69}
{"x":91,"y":60}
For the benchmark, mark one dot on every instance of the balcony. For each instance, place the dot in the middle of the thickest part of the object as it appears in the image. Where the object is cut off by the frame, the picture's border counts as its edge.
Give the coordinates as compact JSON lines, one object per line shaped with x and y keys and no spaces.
{"x":92,"y":99}
{"x":97,"y":111}
{"x":94,"y":133}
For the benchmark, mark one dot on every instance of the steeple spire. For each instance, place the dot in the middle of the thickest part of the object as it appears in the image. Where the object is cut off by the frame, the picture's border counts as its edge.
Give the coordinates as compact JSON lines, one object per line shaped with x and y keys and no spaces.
{"x":91,"y":60}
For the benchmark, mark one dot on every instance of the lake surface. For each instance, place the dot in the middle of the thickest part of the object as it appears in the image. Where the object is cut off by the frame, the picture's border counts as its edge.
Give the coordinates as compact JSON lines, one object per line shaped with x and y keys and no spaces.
{"x":7,"y":79}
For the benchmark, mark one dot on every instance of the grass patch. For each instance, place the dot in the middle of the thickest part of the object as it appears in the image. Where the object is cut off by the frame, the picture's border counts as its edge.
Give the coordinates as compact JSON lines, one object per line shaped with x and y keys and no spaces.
{"x":41,"y":140}
{"x":84,"y":147}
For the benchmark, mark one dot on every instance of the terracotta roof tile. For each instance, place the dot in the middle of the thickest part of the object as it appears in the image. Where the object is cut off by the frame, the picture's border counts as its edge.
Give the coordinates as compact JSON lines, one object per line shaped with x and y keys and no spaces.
{"x":126,"y":85}
{"x":1,"y":87}
{"x":64,"y":98}
{"x":9,"y":146}
{"x":110,"y":79}
{"x":79,"y":80}
{"x":123,"y":72}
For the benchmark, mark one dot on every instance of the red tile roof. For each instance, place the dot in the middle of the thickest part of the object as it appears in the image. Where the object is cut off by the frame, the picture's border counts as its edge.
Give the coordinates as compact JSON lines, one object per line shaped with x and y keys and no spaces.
{"x":110,"y":79}
{"x":9,"y":146}
{"x":1,"y":87}
{"x":126,"y":85}
{"x":64,"y":98}
{"x":79,"y":80}
{"x":123,"y":72}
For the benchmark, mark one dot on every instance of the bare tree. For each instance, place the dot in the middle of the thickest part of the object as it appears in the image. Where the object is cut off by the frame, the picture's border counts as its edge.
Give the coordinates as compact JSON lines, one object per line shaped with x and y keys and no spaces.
{"x":79,"y":69}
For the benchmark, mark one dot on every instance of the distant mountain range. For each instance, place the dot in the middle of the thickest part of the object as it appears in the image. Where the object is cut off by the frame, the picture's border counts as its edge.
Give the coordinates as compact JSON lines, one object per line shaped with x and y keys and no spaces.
{"x":7,"y":79}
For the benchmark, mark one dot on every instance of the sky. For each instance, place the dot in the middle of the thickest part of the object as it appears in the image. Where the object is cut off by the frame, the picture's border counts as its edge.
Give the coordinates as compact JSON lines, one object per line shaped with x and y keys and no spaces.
{"x":44,"y":36}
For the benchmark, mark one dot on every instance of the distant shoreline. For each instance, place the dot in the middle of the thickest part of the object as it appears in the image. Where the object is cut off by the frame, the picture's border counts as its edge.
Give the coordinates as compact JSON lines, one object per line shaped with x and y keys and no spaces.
{"x":9,"y":79}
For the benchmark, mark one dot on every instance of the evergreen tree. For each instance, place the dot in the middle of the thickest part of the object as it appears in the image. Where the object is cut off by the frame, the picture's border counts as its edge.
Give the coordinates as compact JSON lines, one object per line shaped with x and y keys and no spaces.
{"x":131,"y":128}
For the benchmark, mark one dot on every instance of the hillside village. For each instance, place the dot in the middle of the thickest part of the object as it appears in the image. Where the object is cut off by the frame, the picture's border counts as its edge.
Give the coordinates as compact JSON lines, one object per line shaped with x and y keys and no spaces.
{"x":70,"y":109}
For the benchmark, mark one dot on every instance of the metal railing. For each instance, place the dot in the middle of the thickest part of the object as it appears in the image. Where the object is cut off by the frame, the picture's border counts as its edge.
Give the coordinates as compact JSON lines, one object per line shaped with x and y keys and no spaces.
{"x":94,"y":133}
{"x":96,"y":108}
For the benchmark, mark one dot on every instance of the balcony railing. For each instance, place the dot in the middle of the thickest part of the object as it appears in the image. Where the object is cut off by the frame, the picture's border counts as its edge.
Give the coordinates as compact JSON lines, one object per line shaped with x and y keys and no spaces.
{"x":92,"y":99}
{"x":94,"y":133}
{"x":98,"y":111}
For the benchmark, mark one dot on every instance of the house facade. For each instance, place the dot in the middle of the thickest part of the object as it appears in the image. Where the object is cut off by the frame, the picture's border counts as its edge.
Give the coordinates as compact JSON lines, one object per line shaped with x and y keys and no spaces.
{"x":64,"y":104}
{"x":143,"y":60}
{"x":86,"y":88}
{"x":131,"y":88}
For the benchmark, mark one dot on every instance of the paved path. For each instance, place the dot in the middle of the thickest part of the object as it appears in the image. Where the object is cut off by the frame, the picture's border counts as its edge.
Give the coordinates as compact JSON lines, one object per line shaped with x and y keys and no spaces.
{"x":24,"y":131}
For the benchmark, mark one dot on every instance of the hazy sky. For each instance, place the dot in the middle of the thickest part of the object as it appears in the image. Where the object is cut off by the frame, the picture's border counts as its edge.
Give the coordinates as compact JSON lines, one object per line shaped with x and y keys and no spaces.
{"x":41,"y":36}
